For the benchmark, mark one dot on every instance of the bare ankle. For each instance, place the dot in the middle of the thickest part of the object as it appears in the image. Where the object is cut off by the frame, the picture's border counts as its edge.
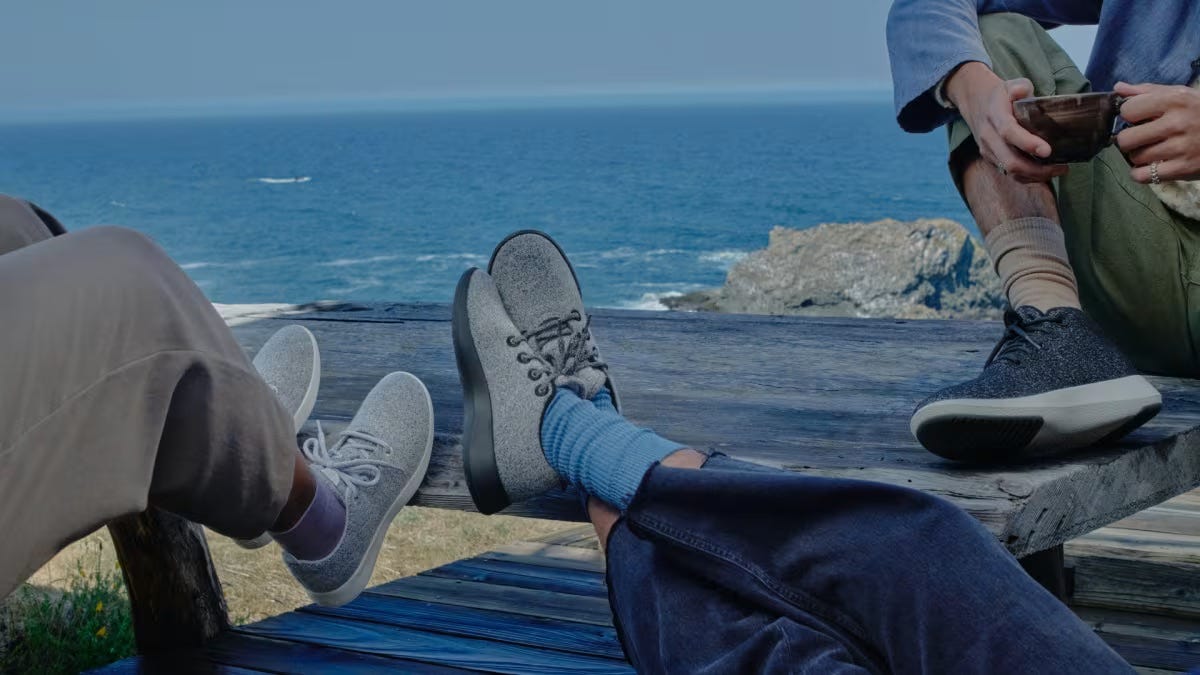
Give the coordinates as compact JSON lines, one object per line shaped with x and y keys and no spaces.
{"x":685,"y":459}
{"x":995,"y":198}
{"x":603,"y":518}
{"x":304,"y":488}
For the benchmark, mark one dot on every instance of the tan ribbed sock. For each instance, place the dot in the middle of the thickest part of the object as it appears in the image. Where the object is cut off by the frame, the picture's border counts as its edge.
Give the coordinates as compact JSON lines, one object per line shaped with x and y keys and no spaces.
{"x":1030,"y":255}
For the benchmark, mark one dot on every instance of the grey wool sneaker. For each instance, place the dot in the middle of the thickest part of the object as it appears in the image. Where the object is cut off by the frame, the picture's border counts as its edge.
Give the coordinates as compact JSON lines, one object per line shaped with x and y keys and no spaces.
{"x":1053,"y":383}
{"x":507,"y":385}
{"x":375,"y":467}
{"x":290,"y":364}
{"x":541,"y":294}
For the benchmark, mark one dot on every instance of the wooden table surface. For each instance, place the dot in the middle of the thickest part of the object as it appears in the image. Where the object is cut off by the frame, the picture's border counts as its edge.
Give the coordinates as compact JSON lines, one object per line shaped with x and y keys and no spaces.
{"x":824,"y":396}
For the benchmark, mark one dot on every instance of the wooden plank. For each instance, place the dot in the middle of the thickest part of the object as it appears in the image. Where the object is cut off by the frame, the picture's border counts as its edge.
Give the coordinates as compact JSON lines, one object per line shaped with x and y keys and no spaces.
{"x":504,"y":573}
{"x":174,"y":593}
{"x":1179,"y":515}
{"x":1147,"y":640}
{"x":826,"y":396}
{"x":285,"y":656}
{"x":548,"y":555}
{"x":185,"y":663}
{"x":570,"y":536}
{"x":559,"y":606}
{"x":1137,"y":570}
{"x":1139,"y":545}
{"x":460,"y":652}
{"x":480,"y":623}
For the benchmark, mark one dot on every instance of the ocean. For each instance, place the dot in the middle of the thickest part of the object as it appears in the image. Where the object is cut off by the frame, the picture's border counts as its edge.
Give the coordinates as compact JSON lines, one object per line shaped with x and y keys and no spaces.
{"x":393,"y":206}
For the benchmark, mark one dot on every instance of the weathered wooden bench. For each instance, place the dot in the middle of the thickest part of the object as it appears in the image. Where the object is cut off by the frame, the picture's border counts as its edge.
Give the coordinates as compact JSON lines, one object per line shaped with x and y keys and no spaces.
{"x":823,"y":396}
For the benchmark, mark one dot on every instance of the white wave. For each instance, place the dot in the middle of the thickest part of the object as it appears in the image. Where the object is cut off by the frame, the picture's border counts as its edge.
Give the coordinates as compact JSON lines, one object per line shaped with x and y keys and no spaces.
{"x":650,"y":301}
{"x":725,"y":259}
{"x":347,"y":262}
{"x":284,"y":181}
{"x":447,"y":257}
{"x":120,"y":205}
{"x":677,"y":286}
{"x":202,"y":264}
{"x":355,"y":286}
{"x":626,"y":252}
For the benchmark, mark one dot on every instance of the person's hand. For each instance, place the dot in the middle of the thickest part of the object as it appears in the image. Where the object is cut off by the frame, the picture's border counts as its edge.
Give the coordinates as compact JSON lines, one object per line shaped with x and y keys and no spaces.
{"x":1166,"y":140}
{"x":986,"y":103}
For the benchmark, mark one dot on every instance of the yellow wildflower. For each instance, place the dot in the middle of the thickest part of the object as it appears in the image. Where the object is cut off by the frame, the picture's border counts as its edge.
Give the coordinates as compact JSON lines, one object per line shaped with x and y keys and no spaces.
{"x":100,"y":606}
{"x":103,"y":631}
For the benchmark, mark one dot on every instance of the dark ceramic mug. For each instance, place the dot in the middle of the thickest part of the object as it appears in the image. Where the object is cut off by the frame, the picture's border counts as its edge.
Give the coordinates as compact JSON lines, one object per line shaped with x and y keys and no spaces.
{"x":1077,"y":126}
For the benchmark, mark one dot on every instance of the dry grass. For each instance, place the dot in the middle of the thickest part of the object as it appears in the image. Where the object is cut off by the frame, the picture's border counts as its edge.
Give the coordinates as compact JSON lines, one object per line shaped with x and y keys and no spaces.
{"x":257,"y":585}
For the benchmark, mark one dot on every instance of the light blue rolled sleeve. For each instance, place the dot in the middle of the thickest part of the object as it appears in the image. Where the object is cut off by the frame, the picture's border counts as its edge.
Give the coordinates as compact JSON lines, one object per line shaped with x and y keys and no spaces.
{"x":928,"y":39}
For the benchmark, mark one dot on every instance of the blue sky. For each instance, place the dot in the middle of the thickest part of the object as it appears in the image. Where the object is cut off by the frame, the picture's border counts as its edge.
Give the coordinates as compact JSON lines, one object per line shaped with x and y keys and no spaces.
{"x":63,"y":55}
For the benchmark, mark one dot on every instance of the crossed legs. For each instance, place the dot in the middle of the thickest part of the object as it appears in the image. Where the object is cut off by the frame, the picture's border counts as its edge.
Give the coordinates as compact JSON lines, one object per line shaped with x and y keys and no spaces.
{"x":1093,"y":237}
{"x":122,"y":387}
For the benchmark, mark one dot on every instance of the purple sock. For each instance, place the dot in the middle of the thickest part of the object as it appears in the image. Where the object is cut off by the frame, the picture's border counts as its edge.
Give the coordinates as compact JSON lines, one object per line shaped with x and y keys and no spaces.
{"x":319,"y":530}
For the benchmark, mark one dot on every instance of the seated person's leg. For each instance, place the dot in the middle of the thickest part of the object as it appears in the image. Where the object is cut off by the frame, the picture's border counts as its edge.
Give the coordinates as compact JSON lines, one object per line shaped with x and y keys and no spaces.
{"x":123,"y":388}
{"x":673,"y":621}
{"x":23,"y":223}
{"x":867,"y":575}
{"x":670,"y":620}
{"x":1056,"y":382}
{"x":1124,"y":246}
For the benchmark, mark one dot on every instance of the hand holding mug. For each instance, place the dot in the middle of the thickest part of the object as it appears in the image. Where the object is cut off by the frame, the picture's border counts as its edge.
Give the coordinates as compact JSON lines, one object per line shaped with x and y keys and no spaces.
{"x":1165,"y":144}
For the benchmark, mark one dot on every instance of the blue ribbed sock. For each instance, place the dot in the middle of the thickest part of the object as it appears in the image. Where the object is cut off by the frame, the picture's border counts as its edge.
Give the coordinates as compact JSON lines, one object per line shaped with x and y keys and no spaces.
{"x":603,"y":401}
{"x":594,"y":448}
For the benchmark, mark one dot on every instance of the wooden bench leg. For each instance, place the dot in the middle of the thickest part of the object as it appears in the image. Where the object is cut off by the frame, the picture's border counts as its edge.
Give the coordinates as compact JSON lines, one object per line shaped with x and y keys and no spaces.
{"x":173,"y":589}
{"x":1048,"y":569}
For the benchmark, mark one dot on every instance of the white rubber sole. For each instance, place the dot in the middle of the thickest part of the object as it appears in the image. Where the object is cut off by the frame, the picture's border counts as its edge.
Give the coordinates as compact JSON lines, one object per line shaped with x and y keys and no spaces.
{"x":314,"y":385}
{"x":1062,"y":419}
{"x":362,"y":574}
{"x":298,"y":419}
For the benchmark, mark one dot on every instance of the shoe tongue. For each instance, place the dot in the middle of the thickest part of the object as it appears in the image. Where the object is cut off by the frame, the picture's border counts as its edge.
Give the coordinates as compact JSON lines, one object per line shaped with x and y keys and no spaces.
{"x":328,"y":476}
{"x":587,"y":382}
{"x":1028,"y":312}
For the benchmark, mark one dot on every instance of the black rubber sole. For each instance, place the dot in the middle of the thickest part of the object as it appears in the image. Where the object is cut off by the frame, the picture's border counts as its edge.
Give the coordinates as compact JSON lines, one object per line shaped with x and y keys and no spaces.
{"x":978,"y":439}
{"x":964,"y":438}
{"x":478,"y":442}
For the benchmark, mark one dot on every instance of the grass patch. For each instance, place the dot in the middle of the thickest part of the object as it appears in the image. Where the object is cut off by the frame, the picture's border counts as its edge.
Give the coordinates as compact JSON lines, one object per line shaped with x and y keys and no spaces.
{"x":81,"y":623}
{"x":45,"y":625}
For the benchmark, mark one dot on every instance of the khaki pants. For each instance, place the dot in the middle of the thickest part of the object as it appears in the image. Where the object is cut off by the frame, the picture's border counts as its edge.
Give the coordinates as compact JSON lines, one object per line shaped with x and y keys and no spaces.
{"x":1136,"y":261}
{"x":121,"y":387}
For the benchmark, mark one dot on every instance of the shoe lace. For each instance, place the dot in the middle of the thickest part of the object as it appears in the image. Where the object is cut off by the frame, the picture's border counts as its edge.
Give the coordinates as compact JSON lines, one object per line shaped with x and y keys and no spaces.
{"x":351,"y":463}
{"x":561,"y":348}
{"x":1018,"y":341}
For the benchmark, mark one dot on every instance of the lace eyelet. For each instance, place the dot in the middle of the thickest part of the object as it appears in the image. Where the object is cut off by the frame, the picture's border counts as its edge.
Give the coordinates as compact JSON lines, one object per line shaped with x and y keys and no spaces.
{"x":513,"y":340}
{"x":535,"y":375}
{"x":542,"y":389}
{"x":524,"y":358}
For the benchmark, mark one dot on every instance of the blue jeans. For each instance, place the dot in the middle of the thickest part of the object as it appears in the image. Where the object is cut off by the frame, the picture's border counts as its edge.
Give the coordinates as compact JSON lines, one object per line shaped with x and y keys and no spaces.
{"x":738,"y":568}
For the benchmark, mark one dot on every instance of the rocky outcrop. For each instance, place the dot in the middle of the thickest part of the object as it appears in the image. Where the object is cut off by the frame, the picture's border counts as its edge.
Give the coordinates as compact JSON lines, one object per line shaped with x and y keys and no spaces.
{"x":929,"y":268}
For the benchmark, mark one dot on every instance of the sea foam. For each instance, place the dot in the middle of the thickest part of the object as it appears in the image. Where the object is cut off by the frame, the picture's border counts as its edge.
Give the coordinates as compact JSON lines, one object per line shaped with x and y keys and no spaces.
{"x":284,"y":181}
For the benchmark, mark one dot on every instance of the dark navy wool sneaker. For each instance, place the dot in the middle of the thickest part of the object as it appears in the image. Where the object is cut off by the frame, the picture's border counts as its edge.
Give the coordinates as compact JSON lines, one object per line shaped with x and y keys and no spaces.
{"x":1053,"y":383}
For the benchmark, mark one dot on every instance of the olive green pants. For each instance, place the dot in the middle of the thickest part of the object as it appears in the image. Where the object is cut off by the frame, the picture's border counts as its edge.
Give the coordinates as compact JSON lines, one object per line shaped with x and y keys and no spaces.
{"x":120,"y":387}
{"x":1136,"y":261}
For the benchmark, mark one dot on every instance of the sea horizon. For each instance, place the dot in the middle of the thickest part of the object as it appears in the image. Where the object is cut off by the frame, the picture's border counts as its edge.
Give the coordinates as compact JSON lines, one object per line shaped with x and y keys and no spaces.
{"x":652,"y":198}
{"x":476,"y":100}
